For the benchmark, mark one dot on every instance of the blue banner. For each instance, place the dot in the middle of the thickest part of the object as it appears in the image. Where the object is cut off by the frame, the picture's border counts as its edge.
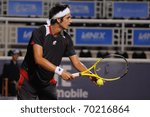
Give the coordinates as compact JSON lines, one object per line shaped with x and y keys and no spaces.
{"x":93,"y":36}
{"x":141,"y":37}
{"x":130,"y":10}
{"x":82,"y":9}
{"x":24,"y":34}
{"x":24,"y":8}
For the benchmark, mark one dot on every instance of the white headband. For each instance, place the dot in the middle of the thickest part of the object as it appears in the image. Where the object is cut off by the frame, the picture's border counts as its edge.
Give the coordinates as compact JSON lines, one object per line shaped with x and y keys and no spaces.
{"x":59,"y":14}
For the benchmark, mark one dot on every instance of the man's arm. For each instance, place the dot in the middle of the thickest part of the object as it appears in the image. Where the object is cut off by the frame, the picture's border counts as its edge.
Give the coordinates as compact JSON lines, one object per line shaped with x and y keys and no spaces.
{"x":38,"y":56}
{"x":77,"y":63}
{"x":80,"y":66}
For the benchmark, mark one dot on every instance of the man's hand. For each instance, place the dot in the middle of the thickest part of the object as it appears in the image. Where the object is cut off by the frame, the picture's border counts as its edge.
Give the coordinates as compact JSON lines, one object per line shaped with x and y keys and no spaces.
{"x":66,"y":75}
{"x":94,"y":80}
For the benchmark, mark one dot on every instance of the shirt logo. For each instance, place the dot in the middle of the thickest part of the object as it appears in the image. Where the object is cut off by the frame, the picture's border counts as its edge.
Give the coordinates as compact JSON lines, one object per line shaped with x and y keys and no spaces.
{"x":64,"y":37}
{"x":54,"y":42}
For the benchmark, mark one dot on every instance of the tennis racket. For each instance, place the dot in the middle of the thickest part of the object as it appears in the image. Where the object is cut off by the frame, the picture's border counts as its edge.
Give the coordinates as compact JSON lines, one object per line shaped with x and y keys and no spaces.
{"x":111,"y":67}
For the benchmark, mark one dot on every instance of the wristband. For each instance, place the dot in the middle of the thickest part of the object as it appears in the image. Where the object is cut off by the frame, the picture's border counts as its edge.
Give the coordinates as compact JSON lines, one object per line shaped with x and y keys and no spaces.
{"x":58,"y":70}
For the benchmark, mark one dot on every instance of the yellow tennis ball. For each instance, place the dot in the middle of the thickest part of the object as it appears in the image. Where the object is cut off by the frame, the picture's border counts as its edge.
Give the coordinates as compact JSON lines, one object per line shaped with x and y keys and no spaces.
{"x":100,"y":82}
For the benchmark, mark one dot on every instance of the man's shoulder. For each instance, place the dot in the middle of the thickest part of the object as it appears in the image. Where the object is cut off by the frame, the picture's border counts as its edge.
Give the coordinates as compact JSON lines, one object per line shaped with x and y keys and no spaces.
{"x":40,"y":30}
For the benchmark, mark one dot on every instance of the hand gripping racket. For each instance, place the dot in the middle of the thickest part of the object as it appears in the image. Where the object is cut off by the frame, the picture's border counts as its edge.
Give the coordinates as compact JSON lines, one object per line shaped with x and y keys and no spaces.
{"x":111,"y":67}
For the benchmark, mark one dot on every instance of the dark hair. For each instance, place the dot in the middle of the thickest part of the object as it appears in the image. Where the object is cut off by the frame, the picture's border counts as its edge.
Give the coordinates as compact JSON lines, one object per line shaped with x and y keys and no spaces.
{"x":56,"y":9}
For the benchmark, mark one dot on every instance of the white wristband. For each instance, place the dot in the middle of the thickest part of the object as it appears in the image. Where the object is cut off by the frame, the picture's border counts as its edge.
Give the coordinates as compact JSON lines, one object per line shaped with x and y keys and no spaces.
{"x":58,"y":70}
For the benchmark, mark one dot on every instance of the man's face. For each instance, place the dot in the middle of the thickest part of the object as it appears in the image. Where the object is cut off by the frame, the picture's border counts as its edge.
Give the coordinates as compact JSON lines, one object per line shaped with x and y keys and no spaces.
{"x":66,"y":21}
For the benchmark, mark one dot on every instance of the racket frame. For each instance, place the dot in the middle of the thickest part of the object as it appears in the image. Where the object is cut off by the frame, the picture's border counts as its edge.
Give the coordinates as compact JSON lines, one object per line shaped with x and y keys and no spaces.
{"x":90,"y":74}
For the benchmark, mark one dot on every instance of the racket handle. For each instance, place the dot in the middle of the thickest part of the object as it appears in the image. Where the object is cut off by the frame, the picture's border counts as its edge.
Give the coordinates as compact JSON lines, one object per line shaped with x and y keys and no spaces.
{"x":76,"y":74}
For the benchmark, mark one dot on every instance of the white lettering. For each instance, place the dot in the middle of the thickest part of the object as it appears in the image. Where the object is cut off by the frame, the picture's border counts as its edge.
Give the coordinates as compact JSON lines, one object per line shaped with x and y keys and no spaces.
{"x":27,"y":34}
{"x":95,"y":35}
{"x":72,"y":93}
{"x":144,"y":36}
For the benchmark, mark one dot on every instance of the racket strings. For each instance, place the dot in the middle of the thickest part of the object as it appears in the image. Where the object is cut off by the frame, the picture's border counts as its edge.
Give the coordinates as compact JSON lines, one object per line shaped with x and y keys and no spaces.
{"x":111,"y":68}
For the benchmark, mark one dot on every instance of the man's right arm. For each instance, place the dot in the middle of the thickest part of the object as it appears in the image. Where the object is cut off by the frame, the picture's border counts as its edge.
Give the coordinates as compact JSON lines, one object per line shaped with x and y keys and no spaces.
{"x":38,"y":56}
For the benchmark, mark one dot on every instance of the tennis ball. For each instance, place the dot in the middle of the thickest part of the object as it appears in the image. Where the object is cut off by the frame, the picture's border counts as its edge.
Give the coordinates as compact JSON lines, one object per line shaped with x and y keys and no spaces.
{"x":100,"y":82}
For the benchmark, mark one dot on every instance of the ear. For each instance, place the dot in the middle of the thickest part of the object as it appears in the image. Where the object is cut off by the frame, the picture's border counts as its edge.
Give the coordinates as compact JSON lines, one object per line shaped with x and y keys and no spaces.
{"x":58,"y":20}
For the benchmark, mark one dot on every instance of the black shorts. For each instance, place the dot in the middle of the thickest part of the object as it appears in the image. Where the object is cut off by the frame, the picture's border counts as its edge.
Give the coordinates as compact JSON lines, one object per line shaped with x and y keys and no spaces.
{"x":28,"y":91}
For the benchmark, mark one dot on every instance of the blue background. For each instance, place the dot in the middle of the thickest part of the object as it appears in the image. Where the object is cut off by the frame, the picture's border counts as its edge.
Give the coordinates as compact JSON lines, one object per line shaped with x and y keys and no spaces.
{"x":84,"y":9}
{"x":25,"y":8}
{"x":130,"y":10}
{"x":107,"y":40}
{"x":21,"y":32}
{"x":145,"y":37}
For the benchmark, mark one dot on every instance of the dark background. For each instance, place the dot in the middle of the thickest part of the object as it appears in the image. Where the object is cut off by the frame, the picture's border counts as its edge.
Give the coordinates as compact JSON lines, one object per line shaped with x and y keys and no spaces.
{"x":134,"y":86}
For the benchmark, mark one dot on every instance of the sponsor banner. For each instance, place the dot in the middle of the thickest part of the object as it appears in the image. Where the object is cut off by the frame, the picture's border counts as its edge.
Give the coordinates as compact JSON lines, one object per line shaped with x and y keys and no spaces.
{"x":130,"y":10}
{"x":24,"y":34}
{"x":82,"y":88}
{"x":24,"y":8}
{"x":141,"y":37}
{"x":93,"y":36}
{"x":82,"y":9}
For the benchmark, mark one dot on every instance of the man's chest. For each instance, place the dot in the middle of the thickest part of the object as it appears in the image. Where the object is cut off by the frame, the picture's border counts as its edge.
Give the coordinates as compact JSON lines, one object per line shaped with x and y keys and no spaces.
{"x":54,"y":45}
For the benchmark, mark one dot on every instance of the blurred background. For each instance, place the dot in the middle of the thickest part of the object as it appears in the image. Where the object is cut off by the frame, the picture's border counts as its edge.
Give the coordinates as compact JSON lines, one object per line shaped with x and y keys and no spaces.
{"x":99,"y":27}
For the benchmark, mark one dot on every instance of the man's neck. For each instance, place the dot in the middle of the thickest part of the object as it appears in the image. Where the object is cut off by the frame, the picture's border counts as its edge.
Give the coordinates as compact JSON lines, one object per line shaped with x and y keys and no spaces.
{"x":55,"y":29}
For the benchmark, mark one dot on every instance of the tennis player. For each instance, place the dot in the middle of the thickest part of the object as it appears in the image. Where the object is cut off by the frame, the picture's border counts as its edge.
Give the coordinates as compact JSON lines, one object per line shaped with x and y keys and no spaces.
{"x":48,"y":44}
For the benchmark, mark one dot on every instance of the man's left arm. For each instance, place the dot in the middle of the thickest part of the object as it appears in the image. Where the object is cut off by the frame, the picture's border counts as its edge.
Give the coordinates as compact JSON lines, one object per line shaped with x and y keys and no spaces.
{"x":80,"y":66}
{"x":77,"y":63}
